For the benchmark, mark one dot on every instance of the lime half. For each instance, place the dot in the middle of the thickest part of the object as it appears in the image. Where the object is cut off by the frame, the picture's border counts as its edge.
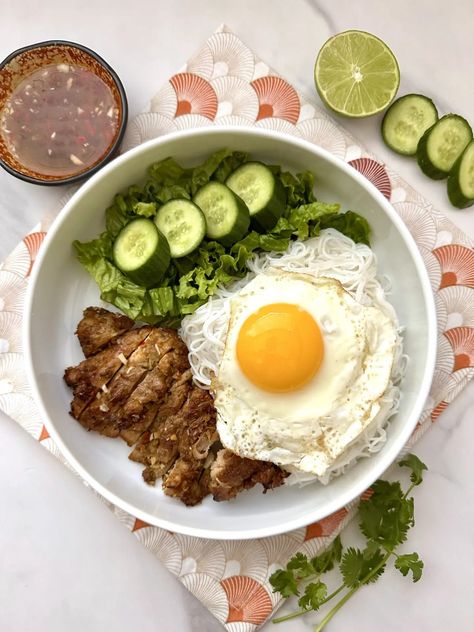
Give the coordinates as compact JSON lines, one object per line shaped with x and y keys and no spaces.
{"x":356,"y":74}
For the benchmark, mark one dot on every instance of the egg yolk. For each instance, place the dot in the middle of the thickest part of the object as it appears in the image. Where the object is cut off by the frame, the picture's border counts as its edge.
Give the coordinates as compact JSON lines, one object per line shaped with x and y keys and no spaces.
{"x":280,"y":347}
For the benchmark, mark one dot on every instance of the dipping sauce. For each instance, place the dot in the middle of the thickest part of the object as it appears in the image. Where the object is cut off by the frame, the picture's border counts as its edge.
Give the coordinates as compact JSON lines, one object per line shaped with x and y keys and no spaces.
{"x":60,"y":120}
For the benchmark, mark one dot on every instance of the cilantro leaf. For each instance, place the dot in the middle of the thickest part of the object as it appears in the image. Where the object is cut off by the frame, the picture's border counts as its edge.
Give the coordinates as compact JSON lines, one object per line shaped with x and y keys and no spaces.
{"x":416,"y":466}
{"x":314,"y":596}
{"x":387,"y":515}
{"x":370,"y":549}
{"x":351,"y":566}
{"x":410,"y":562}
{"x":284,"y":582}
{"x":385,"y":518}
{"x":326,"y":560}
{"x":300,"y":565}
{"x":355,"y":567}
{"x":370,"y":565}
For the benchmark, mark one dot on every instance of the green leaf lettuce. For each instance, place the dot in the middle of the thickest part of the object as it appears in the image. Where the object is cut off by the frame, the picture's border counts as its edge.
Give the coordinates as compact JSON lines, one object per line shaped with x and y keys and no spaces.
{"x":191,"y":280}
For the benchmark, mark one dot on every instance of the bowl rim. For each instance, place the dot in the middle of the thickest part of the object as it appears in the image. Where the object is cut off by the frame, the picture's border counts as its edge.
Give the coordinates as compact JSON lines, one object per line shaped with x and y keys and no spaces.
{"x":122,"y":123}
{"x":355,"y":490}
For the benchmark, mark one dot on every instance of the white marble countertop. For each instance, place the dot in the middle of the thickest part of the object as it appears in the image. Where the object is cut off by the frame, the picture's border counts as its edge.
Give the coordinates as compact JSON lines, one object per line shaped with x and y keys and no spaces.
{"x":65,"y":561}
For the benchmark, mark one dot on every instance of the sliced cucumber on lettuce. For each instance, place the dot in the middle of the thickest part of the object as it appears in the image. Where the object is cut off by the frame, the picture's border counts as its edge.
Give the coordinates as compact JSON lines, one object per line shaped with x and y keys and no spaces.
{"x":190,"y":280}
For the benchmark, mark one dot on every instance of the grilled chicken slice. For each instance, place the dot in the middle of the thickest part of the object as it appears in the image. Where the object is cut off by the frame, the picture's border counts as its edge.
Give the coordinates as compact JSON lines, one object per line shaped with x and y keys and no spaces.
{"x":92,"y":375}
{"x":99,"y":327}
{"x":151,"y":396}
{"x":175,"y":398}
{"x":187,"y":480}
{"x":231,"y":474}
{"x":123,"y":403}
{"x":189,"y":433}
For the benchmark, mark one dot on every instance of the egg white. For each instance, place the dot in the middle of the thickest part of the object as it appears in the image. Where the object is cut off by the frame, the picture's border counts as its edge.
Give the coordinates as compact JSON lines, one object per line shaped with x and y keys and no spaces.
{"x":307,"y":429}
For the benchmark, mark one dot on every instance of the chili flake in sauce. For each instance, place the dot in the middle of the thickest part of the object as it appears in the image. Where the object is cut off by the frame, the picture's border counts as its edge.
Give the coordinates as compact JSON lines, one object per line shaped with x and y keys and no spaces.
{"x":60,"y":120}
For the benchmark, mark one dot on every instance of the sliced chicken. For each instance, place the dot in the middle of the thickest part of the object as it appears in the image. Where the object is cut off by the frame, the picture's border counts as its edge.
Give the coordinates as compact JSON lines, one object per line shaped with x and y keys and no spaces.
{"x":231,"y":474}
{"x":92,"y":375}
{"x":188,"y":433}
{"x":136,"y":383}
{"x":99,"y":327}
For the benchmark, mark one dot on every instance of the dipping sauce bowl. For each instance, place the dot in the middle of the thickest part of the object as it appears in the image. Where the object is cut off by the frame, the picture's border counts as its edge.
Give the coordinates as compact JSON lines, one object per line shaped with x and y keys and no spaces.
{"x":63,"y":113}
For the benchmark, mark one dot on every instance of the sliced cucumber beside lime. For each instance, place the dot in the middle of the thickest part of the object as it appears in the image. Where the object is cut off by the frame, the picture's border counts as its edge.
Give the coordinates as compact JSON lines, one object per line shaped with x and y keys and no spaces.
{"x":405,"y":122}
{"x":461,"y":179}
{"x":442,"y":144}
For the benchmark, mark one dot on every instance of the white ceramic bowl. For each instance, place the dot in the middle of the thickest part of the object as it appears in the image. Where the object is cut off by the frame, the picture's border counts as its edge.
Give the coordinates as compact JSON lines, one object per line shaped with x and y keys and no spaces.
{"x":60,"y":289}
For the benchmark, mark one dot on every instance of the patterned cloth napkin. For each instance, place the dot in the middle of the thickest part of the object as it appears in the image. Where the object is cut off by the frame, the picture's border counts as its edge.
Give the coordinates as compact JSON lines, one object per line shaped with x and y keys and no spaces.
{"x":226,"y":83}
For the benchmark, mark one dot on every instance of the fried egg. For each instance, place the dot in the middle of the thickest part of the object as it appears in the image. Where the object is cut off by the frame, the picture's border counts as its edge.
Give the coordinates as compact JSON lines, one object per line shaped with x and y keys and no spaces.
{"x":303,"y":368}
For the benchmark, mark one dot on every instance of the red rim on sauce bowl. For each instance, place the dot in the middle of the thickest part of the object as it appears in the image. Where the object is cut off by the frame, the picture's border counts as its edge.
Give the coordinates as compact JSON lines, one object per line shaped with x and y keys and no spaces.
{"x":63,"y":112}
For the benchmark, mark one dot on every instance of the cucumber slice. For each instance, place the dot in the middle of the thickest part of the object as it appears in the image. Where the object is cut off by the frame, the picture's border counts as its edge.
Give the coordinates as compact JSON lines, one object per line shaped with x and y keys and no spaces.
{"x":442,"y":144}
{"x":461,"y":179}
{"x":183,"y":225}
{"x":263,"y":194}
{"x":405,"y":122}
{"x":227,"y":216}
{"x":141,"y":252}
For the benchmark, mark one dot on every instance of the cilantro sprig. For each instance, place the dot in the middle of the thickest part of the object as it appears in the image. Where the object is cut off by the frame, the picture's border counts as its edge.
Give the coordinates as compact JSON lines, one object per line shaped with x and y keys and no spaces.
{"x":384,"y":519}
